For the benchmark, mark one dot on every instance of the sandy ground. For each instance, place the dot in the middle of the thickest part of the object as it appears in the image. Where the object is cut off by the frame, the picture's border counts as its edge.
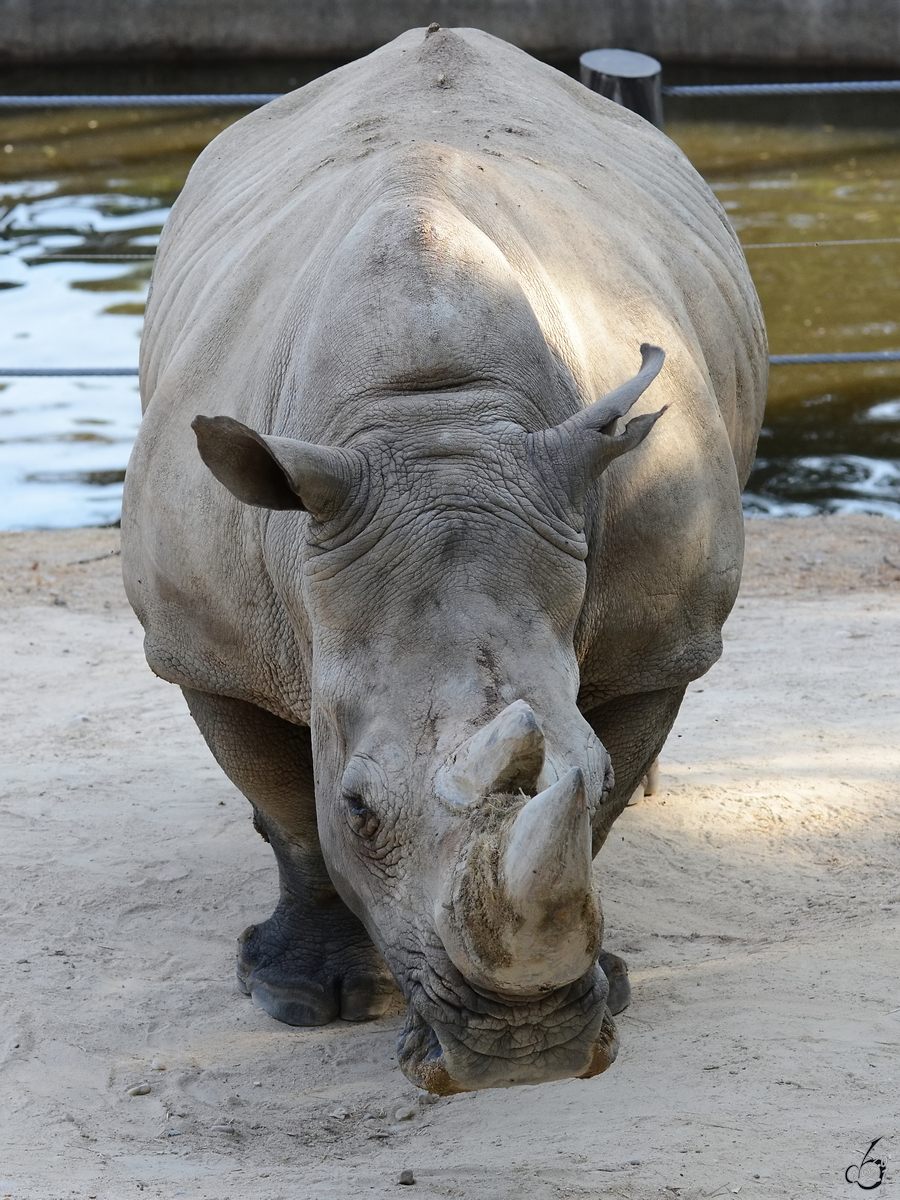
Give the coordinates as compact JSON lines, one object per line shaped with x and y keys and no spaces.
{"x":756,"y":899}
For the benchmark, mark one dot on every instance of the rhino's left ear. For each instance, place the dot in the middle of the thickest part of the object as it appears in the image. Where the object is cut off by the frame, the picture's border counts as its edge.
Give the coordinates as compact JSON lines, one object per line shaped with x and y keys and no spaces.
{"x":583,"y":446}
{"x":275,"y":472}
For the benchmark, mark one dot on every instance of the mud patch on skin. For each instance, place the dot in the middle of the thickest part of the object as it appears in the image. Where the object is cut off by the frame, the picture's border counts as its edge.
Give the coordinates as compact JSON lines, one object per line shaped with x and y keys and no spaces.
{"x":487,"y":661}
{"x":478,"y":908}
{"x":476,"y":891}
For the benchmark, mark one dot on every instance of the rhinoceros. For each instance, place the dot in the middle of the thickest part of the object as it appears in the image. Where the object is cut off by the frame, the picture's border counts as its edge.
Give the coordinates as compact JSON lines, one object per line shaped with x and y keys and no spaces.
{"x":432,"y":577}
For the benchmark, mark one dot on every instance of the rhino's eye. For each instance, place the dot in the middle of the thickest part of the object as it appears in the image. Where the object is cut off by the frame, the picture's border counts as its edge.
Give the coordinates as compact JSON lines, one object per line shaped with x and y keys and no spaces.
{"x":361,"y":817}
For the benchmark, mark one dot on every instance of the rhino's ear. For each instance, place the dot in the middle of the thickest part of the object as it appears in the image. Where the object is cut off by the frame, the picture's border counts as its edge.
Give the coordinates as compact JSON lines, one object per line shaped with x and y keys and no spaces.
{"x":274,"y":472}
{"x":583,"y":446}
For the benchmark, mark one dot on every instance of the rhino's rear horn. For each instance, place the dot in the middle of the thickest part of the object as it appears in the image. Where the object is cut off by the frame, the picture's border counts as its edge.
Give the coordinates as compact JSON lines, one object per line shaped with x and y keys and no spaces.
{"x":276,"y":472}
{"x":507,"y":755}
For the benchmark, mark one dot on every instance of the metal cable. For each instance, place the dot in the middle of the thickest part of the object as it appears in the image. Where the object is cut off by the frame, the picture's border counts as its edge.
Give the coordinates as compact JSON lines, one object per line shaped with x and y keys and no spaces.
{"x":785,"y":89}
{"x":802,"y":360}
{"x":191,"y":100}
{"x":252,"y":99}
{"x":776,"y":360}
{"x":53,"y":372}
{"x":46,"y":258}
{"x":804,"y":245}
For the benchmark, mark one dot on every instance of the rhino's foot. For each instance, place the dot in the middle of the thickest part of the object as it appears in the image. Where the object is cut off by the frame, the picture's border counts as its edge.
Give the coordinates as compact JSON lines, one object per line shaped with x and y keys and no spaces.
{"x":616,"y":972}
{"x":309,"y":972}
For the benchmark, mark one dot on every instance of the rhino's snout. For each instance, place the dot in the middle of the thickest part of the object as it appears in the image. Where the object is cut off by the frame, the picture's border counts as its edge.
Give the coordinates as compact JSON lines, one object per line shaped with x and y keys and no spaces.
{"x":511,"y":993}
{"x":458,"y":1038}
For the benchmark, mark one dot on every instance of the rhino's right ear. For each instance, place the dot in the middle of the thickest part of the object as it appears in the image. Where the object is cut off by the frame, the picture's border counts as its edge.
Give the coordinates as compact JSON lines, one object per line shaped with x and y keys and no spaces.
{"x":582,"y":447}
{"x":275,"y":472}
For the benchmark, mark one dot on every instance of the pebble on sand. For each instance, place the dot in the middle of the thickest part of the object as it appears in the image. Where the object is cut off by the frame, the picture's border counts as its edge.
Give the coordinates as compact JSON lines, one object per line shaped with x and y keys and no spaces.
{"x":222,"y":1129}
{"x":157,"y":1065}
{"x":404,"y":1114}
{"x":406,"y":1178}
{"x":140,"y":1089}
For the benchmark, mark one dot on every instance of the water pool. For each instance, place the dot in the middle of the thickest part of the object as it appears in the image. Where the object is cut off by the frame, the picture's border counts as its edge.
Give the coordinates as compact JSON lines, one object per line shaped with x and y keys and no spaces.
{"x":794,"y":175}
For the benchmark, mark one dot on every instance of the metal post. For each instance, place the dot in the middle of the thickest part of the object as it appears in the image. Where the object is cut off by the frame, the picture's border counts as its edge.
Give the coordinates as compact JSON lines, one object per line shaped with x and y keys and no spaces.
{"x":631,"y":79}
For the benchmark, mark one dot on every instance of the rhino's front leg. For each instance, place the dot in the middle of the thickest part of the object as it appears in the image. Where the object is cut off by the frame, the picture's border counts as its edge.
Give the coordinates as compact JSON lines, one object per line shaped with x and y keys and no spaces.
{"x":312,"y":960}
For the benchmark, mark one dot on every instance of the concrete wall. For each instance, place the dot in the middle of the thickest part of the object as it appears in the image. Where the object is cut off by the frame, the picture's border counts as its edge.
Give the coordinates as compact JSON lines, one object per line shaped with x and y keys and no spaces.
{"x":794,"y":31}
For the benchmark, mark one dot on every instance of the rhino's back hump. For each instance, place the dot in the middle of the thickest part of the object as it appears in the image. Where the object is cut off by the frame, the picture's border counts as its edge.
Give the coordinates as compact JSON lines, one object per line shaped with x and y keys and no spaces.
{"x":601,"y":218}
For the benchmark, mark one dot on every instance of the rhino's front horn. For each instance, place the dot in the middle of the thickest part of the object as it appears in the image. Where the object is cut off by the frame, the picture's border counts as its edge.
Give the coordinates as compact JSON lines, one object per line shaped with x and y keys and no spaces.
{"x":506,"y":755}
{"x":524,"y":919}
{"x":547,"y":860}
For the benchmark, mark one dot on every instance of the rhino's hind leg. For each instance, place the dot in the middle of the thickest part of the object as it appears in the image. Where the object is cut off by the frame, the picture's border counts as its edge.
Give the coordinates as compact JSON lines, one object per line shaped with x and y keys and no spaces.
{"x":633,"y":730}
{"x":648,"y":786}
{"x":312,"y":960}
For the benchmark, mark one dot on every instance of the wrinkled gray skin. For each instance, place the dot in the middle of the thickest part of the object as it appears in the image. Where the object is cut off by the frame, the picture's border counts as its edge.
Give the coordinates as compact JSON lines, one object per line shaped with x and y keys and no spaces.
{"x":433,"y":598}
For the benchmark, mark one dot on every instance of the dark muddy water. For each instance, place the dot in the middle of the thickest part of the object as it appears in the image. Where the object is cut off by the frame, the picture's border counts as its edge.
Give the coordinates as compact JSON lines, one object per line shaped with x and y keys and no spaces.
{"x":794,"y":176}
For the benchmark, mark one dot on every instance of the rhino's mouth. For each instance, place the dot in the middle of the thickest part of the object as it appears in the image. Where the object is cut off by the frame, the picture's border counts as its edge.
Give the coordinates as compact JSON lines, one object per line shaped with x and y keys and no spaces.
{"x":459,"y":1039}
